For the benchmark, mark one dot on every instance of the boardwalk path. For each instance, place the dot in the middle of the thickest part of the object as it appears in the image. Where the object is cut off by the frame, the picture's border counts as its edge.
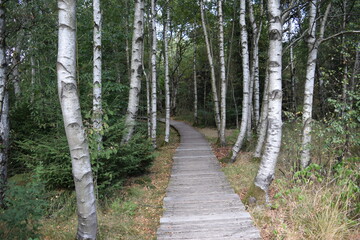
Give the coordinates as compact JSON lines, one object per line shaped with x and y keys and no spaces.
{"x":200,"y":203}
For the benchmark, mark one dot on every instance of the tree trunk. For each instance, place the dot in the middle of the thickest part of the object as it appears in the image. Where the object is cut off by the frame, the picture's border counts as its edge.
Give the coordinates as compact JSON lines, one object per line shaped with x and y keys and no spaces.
{"x":136,"y":71}
{"x":292,"y":72}
{"x":15,"y":73}
{"x":313,"y":46}
{"x":195,"y":87}
{"x":256,"y":30}
{"x":266,"y":172}
{"x":212,"y":69}
{"x":222,"y":77}
{"x":167,"y":76}
{"x":262,"y":128}
{"x":153,"y":74}
{"x":246,"y":81}
{"x":4,"y":107}
{"x":97,"y":95}
{"x":75,"y":133}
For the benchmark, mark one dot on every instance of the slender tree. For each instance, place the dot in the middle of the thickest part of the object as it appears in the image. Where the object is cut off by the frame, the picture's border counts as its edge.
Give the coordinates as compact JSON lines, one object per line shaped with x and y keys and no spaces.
{"x":97,"y":96}
{"x":266,"y":170}
{"x":4,"y":107}
{"x":167,"y":77}
{"x":246,"y":81}
{"x":254,"y":73}
{"x":153,"y":74}
{"x":15,"y":71}
{"x":313,"y":42}
{"x":262,"y":127}
{"x":212,"y":69}
{"x":136,"y":71}
{"x":222,"y":76}
{"x":195,"y":87}
{"x":75,"y":133}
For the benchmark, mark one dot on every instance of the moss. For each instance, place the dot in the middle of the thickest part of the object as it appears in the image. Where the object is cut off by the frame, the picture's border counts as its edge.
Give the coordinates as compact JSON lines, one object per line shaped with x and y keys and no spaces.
{"x":256,"y":159}
{"x":255,"y":196}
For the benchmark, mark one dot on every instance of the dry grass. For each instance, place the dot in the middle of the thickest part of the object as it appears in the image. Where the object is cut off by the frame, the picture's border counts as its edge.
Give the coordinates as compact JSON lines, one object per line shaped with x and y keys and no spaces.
{"x":297,"y":211}
{"x":134,"y":213}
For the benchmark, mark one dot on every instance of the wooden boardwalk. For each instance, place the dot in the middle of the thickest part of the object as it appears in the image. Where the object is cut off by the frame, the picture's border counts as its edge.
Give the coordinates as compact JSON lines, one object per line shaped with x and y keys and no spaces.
{"x":200,"y":203}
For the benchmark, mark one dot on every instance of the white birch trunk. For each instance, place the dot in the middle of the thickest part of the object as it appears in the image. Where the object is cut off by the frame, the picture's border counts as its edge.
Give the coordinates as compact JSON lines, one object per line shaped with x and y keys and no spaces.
{"x":195,"y":88}
{"x":292,"y":72}
{"x":256,"y":30}
{"x":266,"y":172}
{"x":246,"y":81}
{"x":4,"y":108}
{"x":4,"y":141}
{"x":212,"y":69}
{"x":167,"y":76}
{"x":16,"y":74}
{"x":313,"y":46}
{"x":153,"y":74}
{"x":97,"y":95}
{"x":75,"y":133}
{"x":136,"y":71}
{"x":222,"y":77}
{"x":262,"y":128}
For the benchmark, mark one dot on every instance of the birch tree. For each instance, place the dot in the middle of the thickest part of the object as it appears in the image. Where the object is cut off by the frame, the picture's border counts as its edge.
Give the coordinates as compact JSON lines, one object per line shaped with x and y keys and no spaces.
{"x":4,"y":107}
{"x":246,"y":81}
{"x":313,"y":42}
{"x":167,"y":76}
{"x":75,"y":133}
{"x":136,"y":71}
{"x":262,"y":127}
{"x":153,"y":73}
{"x":212,"y":69}
{"x":266,"y":172}
{"x":195,"y":87}
{"x":97,"y":96}
{"x":222,"y":76}
{"x":16,"y":73}
{"x":256,"y":30}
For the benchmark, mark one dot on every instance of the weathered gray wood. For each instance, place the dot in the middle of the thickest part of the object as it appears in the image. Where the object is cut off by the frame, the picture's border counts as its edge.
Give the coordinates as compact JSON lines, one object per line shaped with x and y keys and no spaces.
{"x":200,"y":203}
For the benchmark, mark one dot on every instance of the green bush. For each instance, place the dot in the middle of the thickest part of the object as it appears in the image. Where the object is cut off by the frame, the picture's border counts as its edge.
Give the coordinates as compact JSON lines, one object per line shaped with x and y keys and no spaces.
{"x":25,"y":206}
{"x":49,"y":153}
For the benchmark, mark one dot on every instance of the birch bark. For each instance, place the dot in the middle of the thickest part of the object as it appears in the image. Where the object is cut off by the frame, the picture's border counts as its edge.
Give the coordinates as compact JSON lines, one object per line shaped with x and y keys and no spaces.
{"x":167,"y":76}
{"x":256,"y":30}
{"x":70,"y":106}
{"x":313,"y":45}
{"x":97,"y":81}
{"x":4,"y":107}
{"x":195,"y":88}
{"x":212,"y":69}
{"x":16,"y":73}
{"x":266,"y":170}
{"x":262,"y":128}
{"x":222,"y":76}
{"x":246,"y":79}
{"x":153,"y":74}
{"x":136,"y":71}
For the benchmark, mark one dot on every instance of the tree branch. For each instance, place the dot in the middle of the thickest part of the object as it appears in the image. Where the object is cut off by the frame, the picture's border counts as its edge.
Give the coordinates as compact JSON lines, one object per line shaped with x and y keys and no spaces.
{"x":339,"y":34}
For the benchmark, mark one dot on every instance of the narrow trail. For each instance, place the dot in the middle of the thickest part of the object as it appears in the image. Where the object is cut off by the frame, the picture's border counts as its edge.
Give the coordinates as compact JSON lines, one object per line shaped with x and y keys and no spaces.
{"x":200,"y":203}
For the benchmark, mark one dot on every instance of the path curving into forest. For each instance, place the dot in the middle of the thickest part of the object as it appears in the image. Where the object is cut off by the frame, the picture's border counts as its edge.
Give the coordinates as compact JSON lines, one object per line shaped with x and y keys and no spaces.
{"x":200,"y":203}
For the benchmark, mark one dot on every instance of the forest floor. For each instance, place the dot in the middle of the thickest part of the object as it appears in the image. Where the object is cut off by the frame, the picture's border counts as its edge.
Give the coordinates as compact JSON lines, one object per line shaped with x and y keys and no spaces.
{"x":311,"y":210}
{"x":296,"y":211}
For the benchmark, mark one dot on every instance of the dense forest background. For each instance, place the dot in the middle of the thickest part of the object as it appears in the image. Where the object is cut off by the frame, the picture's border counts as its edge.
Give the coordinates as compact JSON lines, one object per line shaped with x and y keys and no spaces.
{"x":38,"y":160}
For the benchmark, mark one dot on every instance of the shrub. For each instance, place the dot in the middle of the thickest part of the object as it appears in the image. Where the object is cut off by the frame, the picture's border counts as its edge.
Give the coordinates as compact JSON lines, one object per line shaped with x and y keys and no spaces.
{"x":25,"y":206}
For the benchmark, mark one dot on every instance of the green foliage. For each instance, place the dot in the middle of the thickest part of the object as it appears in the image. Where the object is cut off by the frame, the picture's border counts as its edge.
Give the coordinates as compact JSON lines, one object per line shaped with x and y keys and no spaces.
{"x":25,"y":206}
{"x":310,"y":174}
{"x":347,"y":175}
{"x":115,"y":162}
